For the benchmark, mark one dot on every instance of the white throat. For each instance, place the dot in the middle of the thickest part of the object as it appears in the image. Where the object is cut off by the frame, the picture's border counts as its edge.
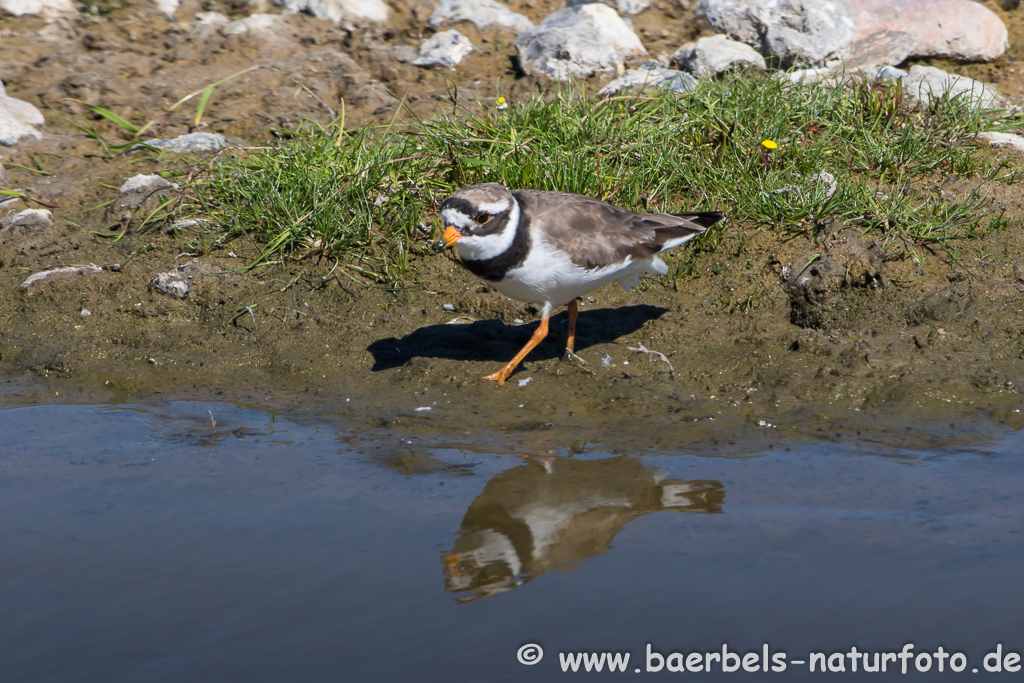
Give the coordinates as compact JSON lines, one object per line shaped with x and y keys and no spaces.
{"x":483,"y":247}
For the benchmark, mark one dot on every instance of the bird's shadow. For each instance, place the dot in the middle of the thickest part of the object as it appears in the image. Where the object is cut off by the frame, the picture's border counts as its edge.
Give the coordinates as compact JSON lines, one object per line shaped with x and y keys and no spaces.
{"x":492,"y":340}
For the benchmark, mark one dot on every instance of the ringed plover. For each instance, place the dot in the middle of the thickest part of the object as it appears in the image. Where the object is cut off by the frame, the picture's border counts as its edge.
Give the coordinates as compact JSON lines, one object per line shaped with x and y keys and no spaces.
{"x":549,"y":248}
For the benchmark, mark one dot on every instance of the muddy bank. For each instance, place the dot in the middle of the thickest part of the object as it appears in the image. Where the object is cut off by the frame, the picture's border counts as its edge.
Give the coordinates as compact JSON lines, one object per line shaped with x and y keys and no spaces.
{"x":830,"y":338}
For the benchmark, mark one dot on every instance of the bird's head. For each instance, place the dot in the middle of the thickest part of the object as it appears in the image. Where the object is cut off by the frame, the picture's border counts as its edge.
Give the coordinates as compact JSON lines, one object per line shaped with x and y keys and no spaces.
{"x":475,"y":213}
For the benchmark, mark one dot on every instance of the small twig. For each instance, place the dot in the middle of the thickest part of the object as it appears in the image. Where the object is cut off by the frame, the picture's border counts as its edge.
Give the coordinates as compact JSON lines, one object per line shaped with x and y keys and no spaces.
{"x":212,"y":422}
{"x":582,"y":364}
{"x":659,"y":354}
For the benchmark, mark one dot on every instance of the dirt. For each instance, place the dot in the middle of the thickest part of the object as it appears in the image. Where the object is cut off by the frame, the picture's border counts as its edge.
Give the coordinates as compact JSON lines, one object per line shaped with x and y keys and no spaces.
{"x":771,"y":338}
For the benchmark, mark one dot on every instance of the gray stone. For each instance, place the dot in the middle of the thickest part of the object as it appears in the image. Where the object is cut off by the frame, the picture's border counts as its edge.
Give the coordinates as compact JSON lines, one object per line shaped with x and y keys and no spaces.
{"x":650,"y":77}
{"x":1008,"y":140}
{"x":193,"y":143}
{"x":957,"y":29}
{"x":266,"y":24}
{"x":141,"y":192}
{"x":794,"y":32}
{"x":178,"y":282}
{"x":622,"y":6}
{"x":482,"y":13}
{"x":339,"y":10}
{"x":18,"y":119}
{"x":715,"y":55}
{"x":927,"y":83}
{"x":446,"y":49}
{"x":577,"y":42}
{"x":37,"y":278}
{"x":879,"y":48}
{"x":28,"y":220}
{"x":46,"y":8}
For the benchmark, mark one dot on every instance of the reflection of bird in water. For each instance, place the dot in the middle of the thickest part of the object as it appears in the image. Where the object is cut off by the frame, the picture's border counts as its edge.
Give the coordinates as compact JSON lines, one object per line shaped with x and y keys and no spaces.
{"x":540,"y":517}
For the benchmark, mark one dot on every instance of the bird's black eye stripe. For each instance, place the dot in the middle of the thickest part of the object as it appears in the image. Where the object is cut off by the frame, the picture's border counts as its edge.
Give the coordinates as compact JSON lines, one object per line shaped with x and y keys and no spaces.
{"x":483,"y":218}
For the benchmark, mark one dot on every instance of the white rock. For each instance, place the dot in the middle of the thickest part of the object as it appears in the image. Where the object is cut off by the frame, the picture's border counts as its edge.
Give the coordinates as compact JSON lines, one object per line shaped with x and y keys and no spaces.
{"x":17,"y":119}
{"x":36,"y":278}
{"x":715,"y":55}
{"x":577,"y":42}
{"x":482,"y":13}
{"x":623,"y":6}
{"x":446,"y":49}
{"x":142,"y":184}
{"x":338,"y":10}
{"x":927,"y":83}
{"x":29,"y":219}
{"x":1015,"y":142}
{"x":168,"y":7}
{"x":254,"y":23}
{"x":651,"y":77}
{"x":193,"y":143}
{"x":796,"y":32}
{"x":47,"y":8}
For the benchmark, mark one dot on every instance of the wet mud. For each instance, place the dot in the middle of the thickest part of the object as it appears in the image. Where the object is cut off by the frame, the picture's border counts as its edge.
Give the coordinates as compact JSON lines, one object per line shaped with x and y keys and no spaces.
{"x":768,"y":337}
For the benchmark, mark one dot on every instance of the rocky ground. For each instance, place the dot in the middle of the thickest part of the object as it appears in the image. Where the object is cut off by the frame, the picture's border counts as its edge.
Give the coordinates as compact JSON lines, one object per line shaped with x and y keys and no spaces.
{"x":770,"y":335}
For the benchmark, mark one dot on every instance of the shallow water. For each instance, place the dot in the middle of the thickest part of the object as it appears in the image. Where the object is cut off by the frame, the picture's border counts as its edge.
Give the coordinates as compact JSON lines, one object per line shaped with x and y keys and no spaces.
{"x":146,"y":543}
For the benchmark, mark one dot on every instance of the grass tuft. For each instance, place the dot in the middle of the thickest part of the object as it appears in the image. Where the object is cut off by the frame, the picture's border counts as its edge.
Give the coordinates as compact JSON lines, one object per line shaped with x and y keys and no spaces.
{"x":369,"y":196}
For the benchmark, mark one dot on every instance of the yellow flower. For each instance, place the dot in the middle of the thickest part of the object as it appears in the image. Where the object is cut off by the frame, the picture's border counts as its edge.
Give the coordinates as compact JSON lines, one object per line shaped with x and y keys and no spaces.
{"x":769,"y":144}
{"x":501,"y":100}
{"x":500,"y":103}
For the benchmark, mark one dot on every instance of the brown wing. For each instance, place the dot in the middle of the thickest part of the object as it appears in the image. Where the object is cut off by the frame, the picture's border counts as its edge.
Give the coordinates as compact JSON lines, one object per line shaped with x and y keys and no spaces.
{"x":596,"y":234}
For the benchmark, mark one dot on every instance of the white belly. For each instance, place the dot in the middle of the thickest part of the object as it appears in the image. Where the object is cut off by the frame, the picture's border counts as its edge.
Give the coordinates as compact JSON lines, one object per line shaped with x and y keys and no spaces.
{"x":549,"y":276}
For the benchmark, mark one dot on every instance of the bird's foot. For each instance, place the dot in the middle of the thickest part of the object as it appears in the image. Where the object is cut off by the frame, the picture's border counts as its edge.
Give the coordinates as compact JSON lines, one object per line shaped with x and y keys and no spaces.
{"x":500,"y":376}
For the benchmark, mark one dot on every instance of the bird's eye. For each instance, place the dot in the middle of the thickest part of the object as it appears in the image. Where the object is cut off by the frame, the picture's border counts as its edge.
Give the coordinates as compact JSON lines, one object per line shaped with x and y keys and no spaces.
{"x":483,"y":218}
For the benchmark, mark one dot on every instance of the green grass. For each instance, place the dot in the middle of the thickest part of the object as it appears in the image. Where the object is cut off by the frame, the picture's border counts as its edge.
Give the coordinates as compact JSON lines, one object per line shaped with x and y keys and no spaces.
{"x":368,"y":197}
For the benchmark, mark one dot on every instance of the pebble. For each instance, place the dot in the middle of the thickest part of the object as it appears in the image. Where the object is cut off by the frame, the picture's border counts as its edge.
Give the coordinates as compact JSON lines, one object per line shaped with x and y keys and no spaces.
{"x":46,"y":8}
{"x":36,"y":278}
{"x":650,"y":77}
{"x":445,"y":49}
{"x":482,"y":13}
{"x":715,"y":55}
{"x":339,"y":10}
{"x":1014,"y":142}
{"x":193,"y":143}
{"x":29,"y":219}
{"x":795,"y":32}
{"x":577,"y":42}
{"x":926,"y":83}
{"x":622,"y":6}
{"x":957,"y":29}
{"x":18,"y":119}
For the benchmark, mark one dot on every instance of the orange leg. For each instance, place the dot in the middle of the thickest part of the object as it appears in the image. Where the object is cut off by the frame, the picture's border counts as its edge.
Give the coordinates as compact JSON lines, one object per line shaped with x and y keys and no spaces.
{"x":538,"y":336}
{"x":574,"y":309}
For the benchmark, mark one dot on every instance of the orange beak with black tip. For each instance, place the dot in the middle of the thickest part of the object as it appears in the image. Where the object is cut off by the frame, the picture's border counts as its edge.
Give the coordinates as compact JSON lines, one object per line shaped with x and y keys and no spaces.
{"x":450,"y":236}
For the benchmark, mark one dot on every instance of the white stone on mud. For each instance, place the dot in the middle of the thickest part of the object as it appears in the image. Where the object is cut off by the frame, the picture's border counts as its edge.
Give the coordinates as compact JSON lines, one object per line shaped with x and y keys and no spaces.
{"x":178,"y":282}
{"x":29,"y":219}
{"x":958,"y":29}
{"x":577,"y":42}
{"x":339,"y":10}
{"x":168,"y":7}
{"x":193,"y":143}
{"x":47,"y":8}
{"x":142,"y":184}
{"x":446,"y":49}
{"x":254,"y":23}
{"x":1014,"y":142}
{"x":651,"y":76}
{"x":623,"y":6}
{"x":17,"y":119}
{"x":482,"y":13}
{"x":715,"y":55}
{"x":36,"y":278}
{"x":927,"y":83}
{"x":796,"y":32}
